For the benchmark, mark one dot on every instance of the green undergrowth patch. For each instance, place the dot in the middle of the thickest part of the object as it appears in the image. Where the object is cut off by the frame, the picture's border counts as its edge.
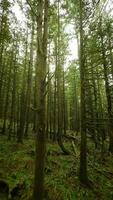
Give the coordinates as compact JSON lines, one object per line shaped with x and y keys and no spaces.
{"x":61,"y":171}
{"x":16,"y":163}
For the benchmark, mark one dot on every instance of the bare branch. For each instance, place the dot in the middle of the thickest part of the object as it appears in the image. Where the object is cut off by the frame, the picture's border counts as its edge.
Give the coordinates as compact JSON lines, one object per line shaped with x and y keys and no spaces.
{"x":49,"y":79}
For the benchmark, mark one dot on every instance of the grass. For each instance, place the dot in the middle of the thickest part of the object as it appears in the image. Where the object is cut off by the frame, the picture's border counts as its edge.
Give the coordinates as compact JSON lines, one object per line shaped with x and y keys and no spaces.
{"x":61,"y":172}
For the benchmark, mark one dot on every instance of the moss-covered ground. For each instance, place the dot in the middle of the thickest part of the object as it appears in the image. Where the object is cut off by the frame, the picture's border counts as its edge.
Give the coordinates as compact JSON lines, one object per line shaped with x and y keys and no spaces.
{"x":61,"y":171}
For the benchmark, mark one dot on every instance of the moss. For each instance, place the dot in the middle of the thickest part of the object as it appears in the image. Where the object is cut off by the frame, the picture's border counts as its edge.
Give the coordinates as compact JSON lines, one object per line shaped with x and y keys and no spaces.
{"x":61,"y":180}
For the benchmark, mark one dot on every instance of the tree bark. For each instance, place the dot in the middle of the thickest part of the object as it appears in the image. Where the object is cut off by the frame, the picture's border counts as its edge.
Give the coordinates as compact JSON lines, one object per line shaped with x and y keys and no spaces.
{"x":38,"y":192}
{"x":83,"y":146}
{"x":108,"y":95}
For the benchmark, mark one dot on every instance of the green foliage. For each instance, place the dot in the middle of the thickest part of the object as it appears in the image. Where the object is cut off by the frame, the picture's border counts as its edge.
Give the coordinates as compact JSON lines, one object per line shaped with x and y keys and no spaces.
{"x":61,"y":181}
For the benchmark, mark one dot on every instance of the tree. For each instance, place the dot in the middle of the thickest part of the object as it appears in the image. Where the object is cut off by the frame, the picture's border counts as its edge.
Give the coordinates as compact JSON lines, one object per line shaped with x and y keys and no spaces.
{"x":40,"y":99}
{"x":83,"y":149}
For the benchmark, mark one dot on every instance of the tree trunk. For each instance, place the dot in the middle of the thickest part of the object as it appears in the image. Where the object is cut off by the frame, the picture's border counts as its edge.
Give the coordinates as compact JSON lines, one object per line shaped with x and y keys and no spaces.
{"x":38,"y":192}
{"x":23,"y":100}
{"x":60,"y":90}
{"x":29,"y":83}
{"x":83,"y":147}
{"x":108,"y":95}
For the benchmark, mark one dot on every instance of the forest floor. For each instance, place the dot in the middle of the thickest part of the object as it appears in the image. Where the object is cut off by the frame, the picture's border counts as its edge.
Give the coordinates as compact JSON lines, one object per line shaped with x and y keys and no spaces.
{"x":61,"y":172}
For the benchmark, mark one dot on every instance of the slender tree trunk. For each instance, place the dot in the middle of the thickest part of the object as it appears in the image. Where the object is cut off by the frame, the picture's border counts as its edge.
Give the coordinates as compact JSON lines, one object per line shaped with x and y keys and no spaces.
{"x":54,"y":111}
{"x":23,"y":101}
{"x":29,"y":83}
{"x":108,"y":95}
{"x":83,"y":147}
{"x":60,"y":91}
{"x":64,"y":104}
{"x":7,"y":97}
{"x":13,"y":99}
{"x":34,"y":103}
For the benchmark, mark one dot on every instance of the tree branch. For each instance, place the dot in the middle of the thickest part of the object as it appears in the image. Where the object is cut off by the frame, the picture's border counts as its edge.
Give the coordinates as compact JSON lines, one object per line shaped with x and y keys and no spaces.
{"x":32,"y":9}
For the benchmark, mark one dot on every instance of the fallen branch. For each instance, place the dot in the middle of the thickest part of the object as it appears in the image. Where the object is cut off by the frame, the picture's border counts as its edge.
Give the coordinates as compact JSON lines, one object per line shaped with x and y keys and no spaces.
{"x":74,"y":148}
{"x":70,"y":137}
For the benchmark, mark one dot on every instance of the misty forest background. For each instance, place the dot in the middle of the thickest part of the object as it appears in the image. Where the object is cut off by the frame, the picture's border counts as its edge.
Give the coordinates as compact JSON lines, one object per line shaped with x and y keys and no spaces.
{"x":56,"y":110}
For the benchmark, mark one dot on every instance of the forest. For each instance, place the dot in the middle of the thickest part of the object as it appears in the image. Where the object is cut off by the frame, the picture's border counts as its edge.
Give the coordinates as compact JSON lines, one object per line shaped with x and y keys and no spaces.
{"x":56,"y":100}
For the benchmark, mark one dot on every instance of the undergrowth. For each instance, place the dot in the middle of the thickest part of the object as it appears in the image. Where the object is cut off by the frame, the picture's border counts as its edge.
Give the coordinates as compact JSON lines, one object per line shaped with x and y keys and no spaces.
{"x":61,"y":172}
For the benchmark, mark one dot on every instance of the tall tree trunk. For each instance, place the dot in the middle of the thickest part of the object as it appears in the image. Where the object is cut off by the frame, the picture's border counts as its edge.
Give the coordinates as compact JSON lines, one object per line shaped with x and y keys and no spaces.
{"x":40,"y":99}
{"x":60,"y":90}
{"x":13,"y":98}
{"x":54,"y":111}
{"x":29,"y":83}
{"x":7,"y":95}
{"x":20,"y":131}
{"x":83,"y":146}
{"x":108,"y":95}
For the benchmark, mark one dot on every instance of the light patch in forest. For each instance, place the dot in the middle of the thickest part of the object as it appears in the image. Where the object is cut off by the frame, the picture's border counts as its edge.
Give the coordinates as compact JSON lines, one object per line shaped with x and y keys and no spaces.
{"x":109,"y":7}
{"x":19,"y":14}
